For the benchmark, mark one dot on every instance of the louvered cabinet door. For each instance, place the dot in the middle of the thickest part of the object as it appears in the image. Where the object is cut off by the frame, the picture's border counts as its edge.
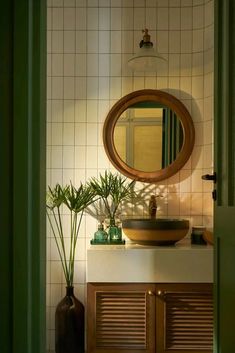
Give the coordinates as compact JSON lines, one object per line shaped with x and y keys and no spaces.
{"x":120,"y":318}
{"x":184,"y":318}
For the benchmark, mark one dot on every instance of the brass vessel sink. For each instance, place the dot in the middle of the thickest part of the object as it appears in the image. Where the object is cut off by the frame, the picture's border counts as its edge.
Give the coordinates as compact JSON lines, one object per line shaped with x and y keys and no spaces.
{"x":157,"y":231}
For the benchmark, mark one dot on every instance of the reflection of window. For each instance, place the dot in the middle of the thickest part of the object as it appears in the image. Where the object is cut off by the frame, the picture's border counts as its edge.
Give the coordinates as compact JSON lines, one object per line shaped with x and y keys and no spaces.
{"x":138,"y":134}
{"x":148,"y":138}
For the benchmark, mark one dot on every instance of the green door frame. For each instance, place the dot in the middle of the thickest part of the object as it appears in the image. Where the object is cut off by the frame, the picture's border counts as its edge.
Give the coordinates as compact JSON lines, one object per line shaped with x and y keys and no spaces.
{"x":22,"y":176}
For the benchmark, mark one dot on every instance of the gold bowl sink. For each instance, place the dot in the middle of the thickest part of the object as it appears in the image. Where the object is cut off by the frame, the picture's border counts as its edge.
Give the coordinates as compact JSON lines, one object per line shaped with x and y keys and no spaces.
{"x":157,"y":231}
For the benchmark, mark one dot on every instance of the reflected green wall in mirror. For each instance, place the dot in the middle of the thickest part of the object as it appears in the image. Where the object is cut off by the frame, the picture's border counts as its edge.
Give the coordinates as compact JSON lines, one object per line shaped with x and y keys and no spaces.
{"x":148,"y":136}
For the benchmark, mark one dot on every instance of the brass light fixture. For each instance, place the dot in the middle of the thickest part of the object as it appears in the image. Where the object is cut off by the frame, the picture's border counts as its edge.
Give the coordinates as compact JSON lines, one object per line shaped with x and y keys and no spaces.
{"x":146,"y":59}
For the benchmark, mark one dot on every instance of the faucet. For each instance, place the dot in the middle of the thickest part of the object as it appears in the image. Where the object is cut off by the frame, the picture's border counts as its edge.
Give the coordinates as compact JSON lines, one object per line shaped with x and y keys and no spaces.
{"x":152,"y":206}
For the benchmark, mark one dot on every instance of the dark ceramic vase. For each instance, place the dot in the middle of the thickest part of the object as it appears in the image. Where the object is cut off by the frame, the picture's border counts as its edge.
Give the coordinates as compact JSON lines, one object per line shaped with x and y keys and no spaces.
{"x":69,"y":324}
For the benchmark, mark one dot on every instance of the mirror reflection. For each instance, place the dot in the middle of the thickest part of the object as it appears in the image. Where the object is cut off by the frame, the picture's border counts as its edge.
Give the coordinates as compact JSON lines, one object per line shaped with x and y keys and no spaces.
{"x":148,"y":136}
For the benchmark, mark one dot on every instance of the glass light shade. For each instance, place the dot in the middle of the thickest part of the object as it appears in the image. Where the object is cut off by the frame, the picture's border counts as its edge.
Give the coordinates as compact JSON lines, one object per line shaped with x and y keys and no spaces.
{"x":146,"y":59}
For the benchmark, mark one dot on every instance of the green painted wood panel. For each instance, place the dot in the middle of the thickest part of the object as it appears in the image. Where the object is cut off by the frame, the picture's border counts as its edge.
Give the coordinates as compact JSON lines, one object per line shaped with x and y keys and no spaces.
{"x":224,"y":217}
{"x":23,"y":158}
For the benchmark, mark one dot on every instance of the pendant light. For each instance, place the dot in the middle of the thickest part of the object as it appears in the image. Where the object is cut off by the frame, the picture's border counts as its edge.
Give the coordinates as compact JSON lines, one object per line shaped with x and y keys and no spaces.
{"x":146,"y":59}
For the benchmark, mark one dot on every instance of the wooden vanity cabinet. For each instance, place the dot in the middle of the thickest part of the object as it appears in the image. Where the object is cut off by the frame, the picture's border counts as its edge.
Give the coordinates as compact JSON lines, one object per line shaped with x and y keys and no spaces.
{"x":151,"y":318}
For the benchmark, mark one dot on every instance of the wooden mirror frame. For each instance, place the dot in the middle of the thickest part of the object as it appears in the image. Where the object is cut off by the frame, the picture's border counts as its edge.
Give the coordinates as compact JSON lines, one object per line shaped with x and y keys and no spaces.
{"x":155,"y":96}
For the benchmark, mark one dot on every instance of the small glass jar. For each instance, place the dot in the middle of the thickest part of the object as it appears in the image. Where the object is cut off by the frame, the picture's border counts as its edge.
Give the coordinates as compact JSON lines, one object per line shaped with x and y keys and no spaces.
{"x":101,"y":236}
{"x":197,"y":235}
{"x":115,"y":232}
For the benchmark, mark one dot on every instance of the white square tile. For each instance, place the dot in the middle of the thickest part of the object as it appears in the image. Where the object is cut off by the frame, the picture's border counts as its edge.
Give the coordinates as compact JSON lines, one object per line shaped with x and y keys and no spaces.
{"x":208,"y":132}
{"x":198,"y":63}
{"x":92,"y":88}
{"x":49,"y":62}
{"x":57,"y":3}
{"x":151,"y":19}
{"x":174,"y":41}
{"x":104,"y":19}
{"x":126,"y":70}
{"x":69,"y":3}
{"x":209,"y":13}
{"x":49,"y":18}
{"x":92,"y":41}
{"x":174,"y":83}
{"x":185,"y":180}
{"x":185,"y":87}
{"x":103,"y":161}
{"x":163,"y":19}
{"x":68,"y":156}
{"x":150,"y":83}
{"x":68,"y":176}
{"x":127,"y":3}
{"x":104,"y":60}
{"x":57,"y":110}
{"x":198,"y":134}
{"x":186,"y":64}
{"x":116,"y":3}
{"x":81,"y":18}
{"x":197,"y":110}
{"x":56,"y":272}
{"x":69,"y":87}
{"x":174,"y":3}
{"x":57,"y":87}
{"x":197,"y":87}
{"x":208,"y":108}
{"x":196,"y":203}
{"x":104,"y":3}
{"x":186,"y":41}
{"x":198,"y":40}
{"x":162,"y":82}
{"x":80,"y":64}
{"x":69,"y":64}
{"x":81,"y":3}
{"x":139,"y":19}
{"x":185,"y":203}
{"x":57,"y":18}
{"x":56,"y":294}
{"x":104,"y":41}
{"x":68,"y":134}
{"x":174,"y":18}
{"x":139,"y":3}
{"x":80,"y":134}
{"x":186,"y":2}
{"x":209,"y":37}
{"x":49,"y":87}
{"x":162,"y":41}
{"x":91,"y":157}
{"x":91,"y":134}
{"x":207,"y":156}
{"x":126,"y":85}
{"x":57,"y":64}
{"x":69,"y":42}
{"x":92,"y":3}
{"x":80,"y":157}
{"x":116,"y":19}
{"x":207,"y":204}
{"x":127,"y":18}
{"x":138,"y":83}
{"x":115,"y":69}
{"x":49,"y":110}
{"x":56,"y":157}
{"x":198,"y":17}
{"x":151,"y":3}
{"x":80,"y":88}
{"x":69,"y":19}
{"x":197,"y":180}
{"x":80,"y":111}
{"x":69,"y":110}
{"x":103,"y":109}
{"x":56,"y":134}
{"x":115,"y":38}
{"x":57,"y":42}
{"x":208,"y":60}
{"x":92,"y":64}
{"x":174,"y":65}
{"x":49,"y":41}
{"x":173,"y":204}
{"x":104,"y":88}
{"x":127,"y":42}
{"x":92,"y":110}
{"x":197,"y":157}
{"x":209,"y":85}
{"x":80,"y":176}
{"x":92,"y":19}
{"x":48,"y":134}
{"x":81,"y":41}
{"x":115,"y":87}
{"x":186,"y":18}
{"x":56,"y":177}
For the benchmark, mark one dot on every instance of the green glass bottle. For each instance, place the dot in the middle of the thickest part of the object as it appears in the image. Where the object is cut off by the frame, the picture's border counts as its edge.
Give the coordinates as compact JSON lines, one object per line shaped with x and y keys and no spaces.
{"x":101,"y":236}
{"x":115,"y":232}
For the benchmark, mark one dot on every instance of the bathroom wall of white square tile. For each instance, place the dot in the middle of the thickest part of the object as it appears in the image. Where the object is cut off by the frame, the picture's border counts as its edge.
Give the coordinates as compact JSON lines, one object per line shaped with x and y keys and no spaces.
{"x":89,"y":43}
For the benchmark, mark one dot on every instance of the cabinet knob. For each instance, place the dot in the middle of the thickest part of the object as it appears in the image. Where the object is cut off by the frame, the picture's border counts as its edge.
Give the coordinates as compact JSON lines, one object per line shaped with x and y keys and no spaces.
{"x":160,"y":293}
{"x":150,"y":292}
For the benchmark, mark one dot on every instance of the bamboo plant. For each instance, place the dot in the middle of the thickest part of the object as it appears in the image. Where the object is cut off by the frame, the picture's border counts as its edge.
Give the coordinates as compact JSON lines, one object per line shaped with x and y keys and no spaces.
{"x":112,"y":189}
{"x":75,"y":200}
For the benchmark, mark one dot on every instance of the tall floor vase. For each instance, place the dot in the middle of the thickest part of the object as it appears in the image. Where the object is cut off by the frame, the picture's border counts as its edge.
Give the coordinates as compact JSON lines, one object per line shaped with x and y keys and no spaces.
{"x":69,"y":324}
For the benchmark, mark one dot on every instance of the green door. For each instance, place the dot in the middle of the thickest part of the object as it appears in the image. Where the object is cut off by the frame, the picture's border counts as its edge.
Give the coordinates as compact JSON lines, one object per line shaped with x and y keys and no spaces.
{"x":224,"y":217}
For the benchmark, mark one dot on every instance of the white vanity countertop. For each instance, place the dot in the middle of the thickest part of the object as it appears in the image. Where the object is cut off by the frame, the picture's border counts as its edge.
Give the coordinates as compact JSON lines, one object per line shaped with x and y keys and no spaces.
{"x":133,"y":263}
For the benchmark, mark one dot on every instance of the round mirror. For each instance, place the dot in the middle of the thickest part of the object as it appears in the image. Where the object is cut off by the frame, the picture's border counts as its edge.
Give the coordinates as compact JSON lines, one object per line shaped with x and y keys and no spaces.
{"x":148,"y":135}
